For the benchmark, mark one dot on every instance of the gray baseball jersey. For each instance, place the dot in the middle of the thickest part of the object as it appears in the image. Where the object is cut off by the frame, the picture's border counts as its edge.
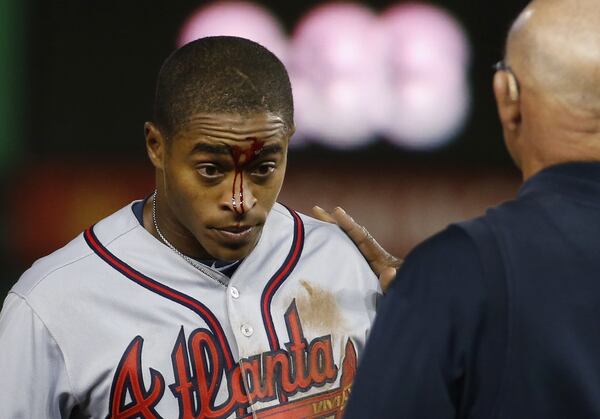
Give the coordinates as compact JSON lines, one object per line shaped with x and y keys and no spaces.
{"x":115,"y":324}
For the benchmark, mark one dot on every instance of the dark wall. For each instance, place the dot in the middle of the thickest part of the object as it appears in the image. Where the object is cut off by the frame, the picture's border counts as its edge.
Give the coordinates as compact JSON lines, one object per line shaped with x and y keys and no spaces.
{"x":93,"y":66}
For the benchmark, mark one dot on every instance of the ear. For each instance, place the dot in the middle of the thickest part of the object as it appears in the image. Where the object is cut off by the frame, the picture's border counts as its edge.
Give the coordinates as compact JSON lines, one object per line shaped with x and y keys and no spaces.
{"x":508,"y":100}
{"x":155,"y":145}
{"x":290,"y":133}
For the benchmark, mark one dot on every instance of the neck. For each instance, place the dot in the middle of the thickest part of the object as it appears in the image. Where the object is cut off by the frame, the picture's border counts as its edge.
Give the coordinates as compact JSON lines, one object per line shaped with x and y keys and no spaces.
{"x":160,"y":226}
{"x":555,"y":133}
{"x":567,"y":152}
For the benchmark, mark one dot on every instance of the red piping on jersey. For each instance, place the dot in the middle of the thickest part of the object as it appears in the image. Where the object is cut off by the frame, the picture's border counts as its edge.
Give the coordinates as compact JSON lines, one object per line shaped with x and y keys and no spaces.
{"x":277,"y":280}
{"x":162,"y":290}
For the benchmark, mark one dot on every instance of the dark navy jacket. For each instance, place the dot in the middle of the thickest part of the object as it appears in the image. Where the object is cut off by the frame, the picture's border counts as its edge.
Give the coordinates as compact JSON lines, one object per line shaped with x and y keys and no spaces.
{"x":497,"y":317}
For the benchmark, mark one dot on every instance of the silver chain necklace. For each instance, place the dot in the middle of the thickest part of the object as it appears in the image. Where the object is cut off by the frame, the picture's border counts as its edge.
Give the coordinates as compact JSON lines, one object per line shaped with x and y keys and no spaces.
{"x":188,"y":259}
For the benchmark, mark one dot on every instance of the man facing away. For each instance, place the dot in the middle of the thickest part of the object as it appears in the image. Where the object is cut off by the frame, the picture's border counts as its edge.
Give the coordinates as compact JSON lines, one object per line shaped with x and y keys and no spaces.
{"x":498,"y":317}
{"x":207,"y":299}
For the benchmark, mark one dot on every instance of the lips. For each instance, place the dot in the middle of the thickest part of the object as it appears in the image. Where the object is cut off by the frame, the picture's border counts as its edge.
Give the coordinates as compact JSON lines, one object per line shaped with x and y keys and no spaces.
{"x":235,"y":229}
{"x":236,"y":233}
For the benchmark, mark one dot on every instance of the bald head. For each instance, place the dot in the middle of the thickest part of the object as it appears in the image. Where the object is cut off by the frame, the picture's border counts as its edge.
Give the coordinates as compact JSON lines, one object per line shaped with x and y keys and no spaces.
{"x":549,"y":99}
{"x":554,"y":47}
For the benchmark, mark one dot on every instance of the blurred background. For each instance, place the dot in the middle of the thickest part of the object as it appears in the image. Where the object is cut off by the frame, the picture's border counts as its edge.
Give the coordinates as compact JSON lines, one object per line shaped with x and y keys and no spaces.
{"x":395,"y":114}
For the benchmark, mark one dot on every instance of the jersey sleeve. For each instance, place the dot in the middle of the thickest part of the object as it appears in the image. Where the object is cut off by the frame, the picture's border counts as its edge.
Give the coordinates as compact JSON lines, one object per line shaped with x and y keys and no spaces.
{"x":425,"y":346}
{"x":34,"y":380}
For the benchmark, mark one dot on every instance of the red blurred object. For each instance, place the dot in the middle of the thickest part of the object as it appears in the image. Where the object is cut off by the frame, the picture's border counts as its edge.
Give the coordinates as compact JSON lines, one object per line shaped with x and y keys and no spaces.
{"x":50,"y":203}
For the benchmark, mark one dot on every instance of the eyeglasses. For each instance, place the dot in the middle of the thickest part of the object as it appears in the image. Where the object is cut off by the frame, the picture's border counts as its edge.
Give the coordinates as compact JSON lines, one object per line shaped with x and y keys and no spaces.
{"x":501,"y":66}
{"x":513,"y":82}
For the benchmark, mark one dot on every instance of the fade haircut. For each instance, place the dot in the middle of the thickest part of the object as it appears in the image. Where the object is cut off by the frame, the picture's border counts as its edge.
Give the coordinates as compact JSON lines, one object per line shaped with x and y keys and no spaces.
{"x":221,"y":74}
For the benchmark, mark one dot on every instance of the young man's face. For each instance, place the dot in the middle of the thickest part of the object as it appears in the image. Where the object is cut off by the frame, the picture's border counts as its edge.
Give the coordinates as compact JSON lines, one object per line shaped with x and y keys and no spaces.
{"x":219,"y":178}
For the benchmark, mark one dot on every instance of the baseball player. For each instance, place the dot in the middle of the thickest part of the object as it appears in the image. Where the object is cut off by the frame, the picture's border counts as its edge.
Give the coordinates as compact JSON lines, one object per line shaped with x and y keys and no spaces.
{"x":206,"y":299}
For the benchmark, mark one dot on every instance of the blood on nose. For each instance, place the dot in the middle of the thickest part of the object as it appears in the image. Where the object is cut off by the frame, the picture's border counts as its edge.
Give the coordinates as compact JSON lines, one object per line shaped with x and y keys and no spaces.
{"x":241,"y":158}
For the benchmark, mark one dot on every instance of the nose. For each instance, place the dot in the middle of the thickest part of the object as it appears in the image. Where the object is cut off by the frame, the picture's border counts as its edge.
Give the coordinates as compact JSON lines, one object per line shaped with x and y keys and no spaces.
{"x":239,"y":198}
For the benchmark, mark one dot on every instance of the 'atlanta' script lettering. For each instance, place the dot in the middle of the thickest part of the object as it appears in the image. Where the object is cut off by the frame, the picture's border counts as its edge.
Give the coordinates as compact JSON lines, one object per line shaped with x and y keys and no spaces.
{"x":198,"y":368}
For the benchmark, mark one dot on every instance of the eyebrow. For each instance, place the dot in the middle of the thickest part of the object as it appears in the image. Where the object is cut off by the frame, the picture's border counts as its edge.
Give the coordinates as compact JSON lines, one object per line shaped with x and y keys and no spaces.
{"x":222,"y":149}
{"x":211,"y":148}
{"x":270,"y":149}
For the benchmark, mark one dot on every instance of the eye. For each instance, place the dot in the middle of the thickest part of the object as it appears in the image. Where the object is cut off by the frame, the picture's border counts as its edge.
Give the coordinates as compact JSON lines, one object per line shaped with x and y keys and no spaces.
{"x":210,"y":171}
{"x":264,"y":170}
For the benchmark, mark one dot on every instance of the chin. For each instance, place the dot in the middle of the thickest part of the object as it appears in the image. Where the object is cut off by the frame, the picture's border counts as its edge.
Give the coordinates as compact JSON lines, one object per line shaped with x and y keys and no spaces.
{"x":230,"y":255}
{"x":227,"y":248}
{"x":232,"y":251}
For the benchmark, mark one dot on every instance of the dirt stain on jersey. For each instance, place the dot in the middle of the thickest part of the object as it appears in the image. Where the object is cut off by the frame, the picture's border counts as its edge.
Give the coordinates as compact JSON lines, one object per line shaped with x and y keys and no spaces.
{"x":318,"y":308}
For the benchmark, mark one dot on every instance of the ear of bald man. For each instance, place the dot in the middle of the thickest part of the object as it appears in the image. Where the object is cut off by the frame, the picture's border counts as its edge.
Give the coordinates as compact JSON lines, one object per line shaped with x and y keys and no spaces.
{"x":508,"y":101}
{"x":381,"y":261}
{"x":507,"y":95}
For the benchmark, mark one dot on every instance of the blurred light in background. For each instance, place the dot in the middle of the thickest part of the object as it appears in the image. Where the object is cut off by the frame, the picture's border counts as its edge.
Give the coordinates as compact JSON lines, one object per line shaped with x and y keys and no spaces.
{"x":243,"y":19}
{"x":337,"y":76}
{"x":356,"y":75}
{"x":427,"y":59}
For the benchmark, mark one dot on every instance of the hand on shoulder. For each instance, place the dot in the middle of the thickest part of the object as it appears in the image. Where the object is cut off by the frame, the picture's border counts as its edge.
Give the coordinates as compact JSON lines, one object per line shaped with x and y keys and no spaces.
{"x":381,"y":261}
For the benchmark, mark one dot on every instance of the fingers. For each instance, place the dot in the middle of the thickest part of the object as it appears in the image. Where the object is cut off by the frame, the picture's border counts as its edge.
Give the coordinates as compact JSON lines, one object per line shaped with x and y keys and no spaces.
{"x":382,"y":262}
{"x":322,"y":215}
{"x":386,"y":278}
{"x":393,"y":261}
{"x":376,"y":255}
{"x":357,"y":233}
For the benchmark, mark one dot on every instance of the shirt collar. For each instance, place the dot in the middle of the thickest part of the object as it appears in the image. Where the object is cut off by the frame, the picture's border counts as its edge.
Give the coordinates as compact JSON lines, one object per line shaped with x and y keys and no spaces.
{"x":580,"y":179}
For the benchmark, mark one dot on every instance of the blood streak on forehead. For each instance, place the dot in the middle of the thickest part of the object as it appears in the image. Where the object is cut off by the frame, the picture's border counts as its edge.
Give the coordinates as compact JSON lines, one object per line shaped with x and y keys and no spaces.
{"x":241,"y":158}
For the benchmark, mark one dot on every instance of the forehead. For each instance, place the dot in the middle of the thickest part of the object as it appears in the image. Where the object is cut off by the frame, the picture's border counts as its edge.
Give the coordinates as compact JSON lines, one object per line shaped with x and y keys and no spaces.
{"x":233,"y":127}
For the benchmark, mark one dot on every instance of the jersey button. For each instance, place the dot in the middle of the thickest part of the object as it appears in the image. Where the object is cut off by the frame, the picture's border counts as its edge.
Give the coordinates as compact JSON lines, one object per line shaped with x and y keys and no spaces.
{"x":247,"y":330}
{"x":234,"y":292}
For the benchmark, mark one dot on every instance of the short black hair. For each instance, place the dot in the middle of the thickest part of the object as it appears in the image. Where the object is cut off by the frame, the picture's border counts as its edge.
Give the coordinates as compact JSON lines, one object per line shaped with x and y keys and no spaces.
{"x":221,"y":74}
